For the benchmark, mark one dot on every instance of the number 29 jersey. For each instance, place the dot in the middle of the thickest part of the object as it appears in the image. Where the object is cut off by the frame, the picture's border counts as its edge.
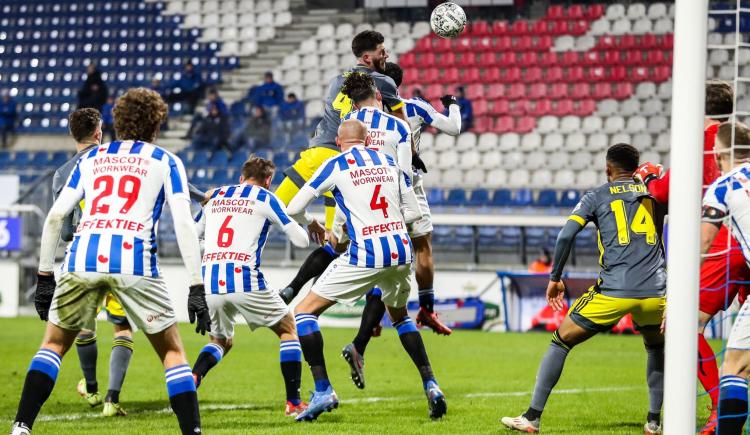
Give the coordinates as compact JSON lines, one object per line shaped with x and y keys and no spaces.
{"x":125,"y":185}
{"x":630,"y":224}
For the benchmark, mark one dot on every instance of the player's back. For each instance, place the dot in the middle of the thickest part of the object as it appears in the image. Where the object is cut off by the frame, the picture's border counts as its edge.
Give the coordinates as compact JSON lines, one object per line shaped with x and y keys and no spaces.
{"x":125,"y":184}
{"x":385,"y":130}
{"x":237,"y":221}
{"x":368,"y":192}
{"x":337,"y":105}
{"x":630,"y":224}
{"x":419,"y":114}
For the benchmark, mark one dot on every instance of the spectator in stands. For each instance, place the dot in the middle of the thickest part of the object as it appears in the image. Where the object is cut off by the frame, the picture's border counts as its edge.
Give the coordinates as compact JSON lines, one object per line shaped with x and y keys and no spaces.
{"x":467,"y":114}
{"x":212,"y":132}
{"x":213,"y":100}
{"x":542,"y":264}
{"x":270,"y":94}
{"x":257,"y":131}
{"x":8,"y":115}
{"x":108,"y":119}
{"x":188,"y":89}
{"x":292,"y":116}
{"x":94,"y":92}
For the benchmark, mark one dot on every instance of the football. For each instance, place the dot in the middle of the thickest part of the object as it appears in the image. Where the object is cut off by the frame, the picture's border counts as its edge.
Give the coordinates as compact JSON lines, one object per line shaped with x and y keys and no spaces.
{"x":448,"y":20}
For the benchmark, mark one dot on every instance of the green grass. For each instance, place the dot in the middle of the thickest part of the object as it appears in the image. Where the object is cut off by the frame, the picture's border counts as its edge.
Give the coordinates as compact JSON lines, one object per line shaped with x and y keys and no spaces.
{"x":485,"y":376}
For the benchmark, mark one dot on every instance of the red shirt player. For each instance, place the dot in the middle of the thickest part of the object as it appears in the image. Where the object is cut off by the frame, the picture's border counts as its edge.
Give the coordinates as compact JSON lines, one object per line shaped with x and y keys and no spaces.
{"x":717,"y":287}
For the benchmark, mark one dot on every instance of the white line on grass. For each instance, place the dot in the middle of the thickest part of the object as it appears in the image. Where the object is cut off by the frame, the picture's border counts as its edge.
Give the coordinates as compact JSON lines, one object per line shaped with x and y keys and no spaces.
{"x":244,"y":407}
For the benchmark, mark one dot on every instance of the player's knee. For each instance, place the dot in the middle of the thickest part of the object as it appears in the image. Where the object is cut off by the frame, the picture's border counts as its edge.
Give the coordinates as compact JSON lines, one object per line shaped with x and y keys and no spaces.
{"x":85,"y":336}
{"x":561,"y":341}
{"x":736,"y":362}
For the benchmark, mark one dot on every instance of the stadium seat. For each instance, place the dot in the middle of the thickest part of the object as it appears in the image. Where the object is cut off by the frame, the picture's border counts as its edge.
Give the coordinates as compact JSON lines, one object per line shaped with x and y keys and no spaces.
{"x":496,"y":178}
{"x":522,"y":197}
{"x":456,"y":197}
{"x":546,"y":198}
{"x":479,"y":198}
{"x":569,"y":198}
{"x":488,"y":142}
{"x":530,"y":142}
{"x":490,"y":160}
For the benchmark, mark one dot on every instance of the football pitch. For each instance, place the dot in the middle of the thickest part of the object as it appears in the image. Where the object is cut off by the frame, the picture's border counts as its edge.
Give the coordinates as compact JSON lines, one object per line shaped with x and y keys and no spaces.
{"x":484,"y":376}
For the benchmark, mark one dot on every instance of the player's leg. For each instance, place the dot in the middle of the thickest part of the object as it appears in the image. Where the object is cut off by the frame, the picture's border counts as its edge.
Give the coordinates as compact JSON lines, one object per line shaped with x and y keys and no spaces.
{"x":119,"y":359}
{"x":290,"y":361}
{"x":425,"y":273}
{"x":222,"y":313}
{"x":87,"y":351}
{"x":354,"y":352}
{"x":315,"y":264}
{"x":733,"y":403}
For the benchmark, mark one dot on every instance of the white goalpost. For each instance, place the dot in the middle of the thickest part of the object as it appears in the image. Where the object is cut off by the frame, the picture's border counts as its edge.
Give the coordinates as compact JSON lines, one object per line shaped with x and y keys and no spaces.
{"x":685,"y":185}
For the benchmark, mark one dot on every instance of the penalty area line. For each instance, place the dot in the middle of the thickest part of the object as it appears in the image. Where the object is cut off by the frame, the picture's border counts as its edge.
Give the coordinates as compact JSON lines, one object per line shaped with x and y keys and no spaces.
{"x":246,"y":407}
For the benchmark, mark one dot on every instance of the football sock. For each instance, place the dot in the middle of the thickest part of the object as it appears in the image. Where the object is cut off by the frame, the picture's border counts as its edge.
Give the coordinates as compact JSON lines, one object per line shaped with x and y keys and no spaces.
{"x":549,"y":373}
{"x":427,"y":299}
{"x":655,"y":378}
{"x":40,"y":380}
{"x":119,"y":360}
{"x":183,"y":398}
{"x":314,"y":265}
{"x":411,"y":340}
{"x":732,"y":405}
{"x":290,"y":355}
{"x":210,"y":355}
{"x":371,"y":317}
{"x":708,"y":371}
{"x":311,"y":341}
{"x":87,"y":355}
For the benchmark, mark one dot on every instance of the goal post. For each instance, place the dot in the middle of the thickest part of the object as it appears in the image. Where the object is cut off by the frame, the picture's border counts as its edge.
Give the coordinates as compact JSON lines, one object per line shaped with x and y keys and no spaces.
{"x":685,"y":186}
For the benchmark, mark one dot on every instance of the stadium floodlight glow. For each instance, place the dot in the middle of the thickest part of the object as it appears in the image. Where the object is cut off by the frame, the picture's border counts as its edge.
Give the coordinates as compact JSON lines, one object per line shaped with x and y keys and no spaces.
{"x":683,"y":263}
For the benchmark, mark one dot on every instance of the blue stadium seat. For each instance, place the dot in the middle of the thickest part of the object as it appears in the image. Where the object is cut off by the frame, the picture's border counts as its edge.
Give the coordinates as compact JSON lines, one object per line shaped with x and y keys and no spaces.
{"x":536,"y":237}
{"x":21,"y":158}
{"x":59,"y":158}
{"x":435,"y":196}
{"x":479,"y":198}
{"x":569,"y":198}
{"x":502,"y":198}
{"x":510,"y":236}
{"x":464,"y":235}
{"x":219,"y":158}
{"x":546,"y":198}
{"x":456,"y":197}
{"x":442,"y":234}
{"x":523,"y":198}
{"x":40,"y":159}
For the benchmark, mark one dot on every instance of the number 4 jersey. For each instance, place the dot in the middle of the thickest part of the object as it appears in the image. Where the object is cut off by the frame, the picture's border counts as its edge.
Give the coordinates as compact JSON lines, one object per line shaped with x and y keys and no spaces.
{"x":630,"y":224}
{"x":125,"y":185}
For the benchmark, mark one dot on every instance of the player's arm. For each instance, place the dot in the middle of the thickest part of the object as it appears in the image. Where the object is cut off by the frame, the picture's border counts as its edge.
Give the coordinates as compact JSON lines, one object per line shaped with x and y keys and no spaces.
{"x":657,"y":184}
{"x":67,"y":229}
{"x":450,"y":124}
{"x":409,"y":204}
{"x":391,"y":99}
{"x":404,"y":150}
{"x":322,"y":181}
{"x":714,"y":214}
{"x":278,"y":215}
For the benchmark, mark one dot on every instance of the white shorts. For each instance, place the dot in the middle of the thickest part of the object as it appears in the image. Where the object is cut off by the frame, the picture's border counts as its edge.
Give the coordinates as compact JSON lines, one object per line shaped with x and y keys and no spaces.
{"x":739,"y":338}
{"x":423,"y":226}
{"x":344,"y":283}
{"x":259,"y":308}
{"x":79,"y":296}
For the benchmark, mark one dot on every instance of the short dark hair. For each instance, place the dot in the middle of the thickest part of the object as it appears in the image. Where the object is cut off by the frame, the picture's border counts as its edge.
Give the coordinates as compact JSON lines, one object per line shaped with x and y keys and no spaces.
{"x":358,"y":86}
{"x":257,"y":168}
{"x":624,"y":156}
{"x":395,"y":72}
{"x":719,"y":100}
{"x":366,"y":40}
{"x":741,"y":137}
{"x":291,"y":95}
{"x":83,"y":123}
{"x":138,"y":114}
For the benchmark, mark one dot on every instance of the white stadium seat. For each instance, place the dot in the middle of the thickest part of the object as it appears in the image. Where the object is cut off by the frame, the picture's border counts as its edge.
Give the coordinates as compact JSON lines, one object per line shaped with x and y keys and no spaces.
{"x":553,"y":142}
{"x":564,"y":43}
{"x":592,"y":124}
{"x":263,"y":5}
{"x":636,"y":124}
{"x":621,"y":27}
{"x":614,"y":124}
{"x":580,"y":160}
{"x":548,"y":124}
{"x":496,"y":178}
{"x":229,"y":34}
{"x":246,"y":5}
{"x":326,"y":31}
{"x":534,"y":160}
{"x":570,"y":124}
{"x":344,"y":46}
{"x":620,"y":138}
{"x":587,"y":179}
{"x":650,"y":156}
{"x":404,"y":44}
{"x":362,"y":27}
{"x":715,"y":38}
{"x":564,"y":179}
{"x":280,"y":5}
{"x":615,"y":11}
{"x":344,"y":31}
{"x":657,"y":10}
{"x":249,"y":47}
{"x":518,"y":178}
{"x":400,"y":29}
{"x":541,"y":178}
{"x":512,"y":160}
{"x":531,"y":141}
{"x":665,"y":90}
{"x":718,"y":57}
{"x":658,"y":124}
{"x":248,"y":33}
{"x":445,"y":142}
{"x":643,"y":141}
{"x":663,"y":26}
{"x":228,"y":20}
{"x":430,"y":158}
{"x":574,"y":142}
{"x":652,"y":107}
{"x":487,"y":142}
{"x":642,"y":26}
{"x":329,"y":60}
{"x":314,"y":108}
{"x":558,"y":160}
{"x":452,"y":178}
{"x":629,"y":107}
{"x":469,"y":160}
{"x":600,"y":27}
{"x":607,"y":107}
{"x":447,"y":160}
{"x":210,"y":20}
{"x":597,"y":142}
{"x":427,"y":142}
{"x":509,"y":142}
{"x":730,"y":38}
{"x":420,"y":29}
{"x":313,"y":92}
{"x":645,"y":90}
{"x":490,"y":160}
{"x":311,"y":77}
{"x":474,"y":178}
{"x":466,"y":142}
{"x":636,"y":11}
{"x":585,"y":43}
{"x":210,"y":34}
{"x":662,"y":143}
{"x":282,"y":19}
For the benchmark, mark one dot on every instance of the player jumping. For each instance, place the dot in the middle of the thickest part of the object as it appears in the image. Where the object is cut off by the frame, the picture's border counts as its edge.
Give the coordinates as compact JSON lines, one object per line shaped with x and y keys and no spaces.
{"x":114,"y":250}
{"x":728,"y":197}
{"x":236,"y":220}
{"x":86,"y":128}
{"x":377,"y":201}
{"x":723,"y":275}
{"x":632,"y":280}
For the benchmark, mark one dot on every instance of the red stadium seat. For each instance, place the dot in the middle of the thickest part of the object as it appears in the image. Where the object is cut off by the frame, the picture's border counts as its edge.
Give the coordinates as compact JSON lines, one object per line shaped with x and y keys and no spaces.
{"x":584,"y":108}
{"x":622,"y":91}
{"x":661,"y":74}
{"x":447,"y":58}
{"x":628,"y":42}
{"x":510,"y":75}
{"x":471,"y":75}
{"x":549,"y":58}
{"x":450,"y":75}
{"x":558,"y":91}
{"x":475,"y":91}
{"x":540,"y":108}
{"x":540,"y":27}
{"x":640,"y":74}
{"x":468,"y":60}
{"x":632,"y":58}
{"x":481,"y":108}
{"x":424,"y":44}
{"x":666,"y":42}
{"x":591,"y":58}
{"x":488,"y":59}
{"x":434,"y":91}
{"x":606,"y":42}
{"x":500,"y":107}
{"x":601,"y":91}
{"x":482,"y":124}
{"x":429,"y":75}
{"x":574,"y":74}
{"x":411,"y":75}
{"x":555,"y":12}
{"x":649,"y":41}
{"x":532,"y":75}
{"x":499,"y":28}
{"x":562,"y":108}
{"x":503,"y":124}
{"x":611,"y":57}
{"x":496,"y":91}
{"x":542,"y":43}
{"x":576,"y":12}
{"x":507,"y":58}
{"x":537,"y":91}
{"x":656,"y":57}
{"x":426,"y":60}
{"x":557,"y":28}
{"x":515,"y":91}
{"x":528,"y":59}
{"x":524,"y":43}
{"x":502,"y":44}
{"x":525,"y":124}
{"x":617,"y":73}
{"x":521,"y":107}
{"x":578,"y":28}
{"x":407,"y":59}
{"x":596,"y":74}
{"x":580,"y":91}
{"x":554,"y":74}
{"x":594,"y":12}
{"x":442,"y":45}
{"x":463,"y":44}
{"x":479,"y":28}
{"x":570,"y":58}
{"x":519,"y":27}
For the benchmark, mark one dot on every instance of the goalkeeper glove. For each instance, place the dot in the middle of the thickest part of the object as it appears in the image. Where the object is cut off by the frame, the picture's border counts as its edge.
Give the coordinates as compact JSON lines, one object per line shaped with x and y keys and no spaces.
{"x":417,"y":163}
{"x":648,"y":172}
{"x":198,"y":309}
{"x":447,"y":100}
{"x":45,"y":289}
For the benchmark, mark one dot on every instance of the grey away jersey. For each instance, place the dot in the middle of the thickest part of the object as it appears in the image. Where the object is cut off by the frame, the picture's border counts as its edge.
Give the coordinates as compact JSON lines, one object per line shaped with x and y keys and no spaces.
{"x":338,"y":105}
{"x":630,"y":224}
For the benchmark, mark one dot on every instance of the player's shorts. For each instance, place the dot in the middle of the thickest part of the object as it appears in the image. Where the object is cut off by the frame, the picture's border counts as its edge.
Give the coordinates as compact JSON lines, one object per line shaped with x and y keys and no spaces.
{"x":344,"y":283}
{"x":723,"y":277}
{"x":597,"y":312}
{"x":423,"y":226}
{"x":259,"y":308}
{"x":115,"y":313}
{"x":301,"y":171}
{"x":78,"y":296}
{"x":739,"y":337}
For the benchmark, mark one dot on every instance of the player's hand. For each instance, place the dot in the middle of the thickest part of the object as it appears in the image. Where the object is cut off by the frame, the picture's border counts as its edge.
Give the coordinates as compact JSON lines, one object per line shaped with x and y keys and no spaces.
{"x":198,"y":309}
{"x":45,"y":289}
{"x":317,"y":232}
{"x":555,"y":294}
{"x":417,"y":163}
{"x":648,"y":172}
{"x":447,"y":100}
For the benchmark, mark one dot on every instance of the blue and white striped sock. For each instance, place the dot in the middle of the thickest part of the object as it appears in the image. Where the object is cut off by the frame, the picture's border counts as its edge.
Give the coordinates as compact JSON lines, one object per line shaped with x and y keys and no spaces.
{"x":40,"y":380}
{"x":306,"y":324}
{"x":311,"y":341}
{"x":183,"y":397}
{"x":210,"y":355}
{"x":732,"y":404}
{"x":405,"y":325}
{"x":47,"y":362}
{"x":290,"y":357}
{"x":179,"y":380}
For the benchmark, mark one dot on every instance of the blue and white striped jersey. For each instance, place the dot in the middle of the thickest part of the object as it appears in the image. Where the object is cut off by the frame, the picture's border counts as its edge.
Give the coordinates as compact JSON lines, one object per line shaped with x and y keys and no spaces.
{"x":125,"y":185}
{"x":420,"y":113}
{"x":369,"y":189}
{"x":730,"y":194}
{"x":236,"y":220}
{"x":388,"y":134}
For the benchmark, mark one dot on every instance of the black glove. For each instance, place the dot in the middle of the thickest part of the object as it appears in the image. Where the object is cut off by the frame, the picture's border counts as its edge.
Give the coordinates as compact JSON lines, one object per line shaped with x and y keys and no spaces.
{"x":198,"y":309}
{"x":447,"y":100}
{"x":417,"y":163}
{"x":45,"y":289}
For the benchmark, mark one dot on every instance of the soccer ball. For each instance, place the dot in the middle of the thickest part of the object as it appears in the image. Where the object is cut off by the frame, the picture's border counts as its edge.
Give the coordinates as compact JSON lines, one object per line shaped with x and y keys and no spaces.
{"x":448,"y":20}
